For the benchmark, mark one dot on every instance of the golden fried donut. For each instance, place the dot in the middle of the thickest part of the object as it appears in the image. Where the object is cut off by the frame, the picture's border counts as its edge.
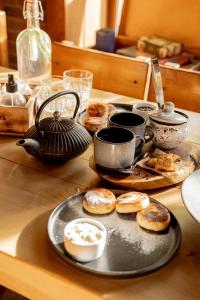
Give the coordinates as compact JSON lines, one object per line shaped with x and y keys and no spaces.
{"x":97,"y":110}
{"x":131,"y":202}
{"x":99,"y":201}
{"x":95,"y":123}
{"x":155,"y":217}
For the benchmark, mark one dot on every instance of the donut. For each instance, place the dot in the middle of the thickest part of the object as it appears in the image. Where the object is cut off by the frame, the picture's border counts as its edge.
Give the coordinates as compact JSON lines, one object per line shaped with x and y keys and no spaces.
{"x":95,"y":123}
{"x":99,"y":201}
{"x":155,"y":217}
{"x":97,"y":110}
{"x":131,"y":202}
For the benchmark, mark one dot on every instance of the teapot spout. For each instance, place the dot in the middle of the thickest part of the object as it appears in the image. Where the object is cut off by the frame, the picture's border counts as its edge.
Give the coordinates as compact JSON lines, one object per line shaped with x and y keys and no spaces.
{"x":30,"y":145}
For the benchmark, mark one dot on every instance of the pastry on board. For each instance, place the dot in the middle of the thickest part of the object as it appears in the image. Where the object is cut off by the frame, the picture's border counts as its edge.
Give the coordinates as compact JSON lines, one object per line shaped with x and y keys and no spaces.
{"x":151,"y":162}
{"x":165,"y":162}
{"x":95,"y":123}
{"x":97,"y":110}
{"x":97,"y":115}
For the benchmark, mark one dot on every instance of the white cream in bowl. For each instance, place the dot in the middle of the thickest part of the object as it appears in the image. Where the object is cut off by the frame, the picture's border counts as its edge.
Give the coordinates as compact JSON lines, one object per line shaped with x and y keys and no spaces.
{"x":84,"y":239}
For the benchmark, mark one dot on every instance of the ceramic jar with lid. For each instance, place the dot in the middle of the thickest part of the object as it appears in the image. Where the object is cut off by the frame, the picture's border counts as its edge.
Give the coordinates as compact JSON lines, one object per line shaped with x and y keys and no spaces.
{"x":170,"y":127}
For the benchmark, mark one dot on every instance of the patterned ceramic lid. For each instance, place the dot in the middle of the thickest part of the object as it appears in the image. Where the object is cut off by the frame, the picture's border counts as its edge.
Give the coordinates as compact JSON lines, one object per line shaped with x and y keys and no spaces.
{"x":168,"y":116}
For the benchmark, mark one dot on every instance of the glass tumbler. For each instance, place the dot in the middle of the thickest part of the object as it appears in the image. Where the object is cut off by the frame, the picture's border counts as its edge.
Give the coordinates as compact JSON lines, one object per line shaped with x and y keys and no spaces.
{"x":47,"y":89}
{"x":79,"y":81}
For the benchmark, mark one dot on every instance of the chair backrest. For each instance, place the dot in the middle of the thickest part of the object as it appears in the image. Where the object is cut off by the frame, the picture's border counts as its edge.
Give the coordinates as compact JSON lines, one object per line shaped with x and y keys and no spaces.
{"x":114,"y":73}
{"x":181,"y":87}
{"x":128,"y":76}
{"x":3,"y":40}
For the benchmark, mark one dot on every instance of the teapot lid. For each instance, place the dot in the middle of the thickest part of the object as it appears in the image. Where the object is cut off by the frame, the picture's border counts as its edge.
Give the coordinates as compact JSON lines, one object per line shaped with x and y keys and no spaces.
{"x":56,"y":123}
{"x":168,"y":115}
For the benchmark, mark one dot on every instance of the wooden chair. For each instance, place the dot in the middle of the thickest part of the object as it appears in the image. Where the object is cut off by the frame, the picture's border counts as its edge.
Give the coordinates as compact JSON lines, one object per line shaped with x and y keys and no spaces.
{"x":113,"y":73}
{"x":128,"y":76}
{"x":3,"y":40}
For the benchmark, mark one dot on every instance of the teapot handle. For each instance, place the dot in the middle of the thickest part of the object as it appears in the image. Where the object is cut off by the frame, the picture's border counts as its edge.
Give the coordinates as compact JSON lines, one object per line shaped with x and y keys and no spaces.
{"x":60,"y":94}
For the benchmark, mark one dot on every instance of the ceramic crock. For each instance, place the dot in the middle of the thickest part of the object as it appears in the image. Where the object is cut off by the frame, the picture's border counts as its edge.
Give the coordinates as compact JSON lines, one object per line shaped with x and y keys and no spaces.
{"x":170,"y":127}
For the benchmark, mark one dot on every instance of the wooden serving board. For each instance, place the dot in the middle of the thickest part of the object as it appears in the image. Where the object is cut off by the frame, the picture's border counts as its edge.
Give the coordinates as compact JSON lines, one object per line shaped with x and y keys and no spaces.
{"x":143,"y":179}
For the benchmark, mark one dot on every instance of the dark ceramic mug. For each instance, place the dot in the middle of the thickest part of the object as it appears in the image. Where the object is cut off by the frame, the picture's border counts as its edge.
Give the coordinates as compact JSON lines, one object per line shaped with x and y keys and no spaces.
{"x":134,"y":122}
{"x":114,"y":148}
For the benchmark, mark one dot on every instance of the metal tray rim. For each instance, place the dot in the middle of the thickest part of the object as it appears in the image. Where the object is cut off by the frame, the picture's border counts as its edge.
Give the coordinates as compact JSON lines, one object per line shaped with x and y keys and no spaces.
{"x":114,"y":274}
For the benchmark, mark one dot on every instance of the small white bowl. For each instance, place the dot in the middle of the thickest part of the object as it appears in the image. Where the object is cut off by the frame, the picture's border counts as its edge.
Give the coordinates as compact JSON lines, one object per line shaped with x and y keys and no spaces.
{"x":81,"y":251}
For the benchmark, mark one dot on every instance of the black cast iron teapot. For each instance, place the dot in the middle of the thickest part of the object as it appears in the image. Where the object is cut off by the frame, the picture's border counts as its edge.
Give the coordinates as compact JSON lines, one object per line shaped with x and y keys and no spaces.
{"x":56,"y":138}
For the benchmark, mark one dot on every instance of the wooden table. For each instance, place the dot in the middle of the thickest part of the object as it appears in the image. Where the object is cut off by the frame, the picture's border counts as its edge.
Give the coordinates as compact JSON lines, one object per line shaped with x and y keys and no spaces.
{"x":30,"y":189}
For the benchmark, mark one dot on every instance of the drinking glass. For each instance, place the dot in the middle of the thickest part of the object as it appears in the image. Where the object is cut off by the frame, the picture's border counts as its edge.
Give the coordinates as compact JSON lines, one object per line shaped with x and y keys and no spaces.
{"x":47,"y":89}
{"x":79,"y":81}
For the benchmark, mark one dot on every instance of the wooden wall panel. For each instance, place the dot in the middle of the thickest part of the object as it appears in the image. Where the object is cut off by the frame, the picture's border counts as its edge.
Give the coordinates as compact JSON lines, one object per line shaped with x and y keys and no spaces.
{"x":55,"y":19}
{"x":178,"y":20}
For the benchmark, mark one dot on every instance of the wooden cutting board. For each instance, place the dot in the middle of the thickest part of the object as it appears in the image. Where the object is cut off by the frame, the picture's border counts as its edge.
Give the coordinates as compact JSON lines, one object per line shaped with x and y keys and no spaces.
{"x":143,"y":179}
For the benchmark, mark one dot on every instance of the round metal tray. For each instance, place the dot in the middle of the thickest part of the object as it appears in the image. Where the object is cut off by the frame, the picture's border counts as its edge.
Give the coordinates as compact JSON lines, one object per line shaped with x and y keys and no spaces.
{"x":130,"y":250}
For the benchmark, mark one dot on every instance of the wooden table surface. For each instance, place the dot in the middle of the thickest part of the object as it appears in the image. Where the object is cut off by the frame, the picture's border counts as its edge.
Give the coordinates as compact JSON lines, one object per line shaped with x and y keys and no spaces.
{"x":30,"y":189}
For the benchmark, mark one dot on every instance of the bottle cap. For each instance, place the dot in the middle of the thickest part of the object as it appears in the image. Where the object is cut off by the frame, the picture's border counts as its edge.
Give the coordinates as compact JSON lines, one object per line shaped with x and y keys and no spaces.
{"x":11,"y":85}
{"x":33,"y":8}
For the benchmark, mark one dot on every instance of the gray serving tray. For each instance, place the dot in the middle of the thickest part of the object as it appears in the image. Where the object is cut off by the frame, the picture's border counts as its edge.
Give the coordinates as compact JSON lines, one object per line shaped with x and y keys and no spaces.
{"x":130,"y":250}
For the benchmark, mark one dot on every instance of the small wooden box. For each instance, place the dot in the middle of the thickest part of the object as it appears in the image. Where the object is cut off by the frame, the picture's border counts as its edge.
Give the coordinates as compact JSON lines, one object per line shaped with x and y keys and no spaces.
{"x":15,"y":120}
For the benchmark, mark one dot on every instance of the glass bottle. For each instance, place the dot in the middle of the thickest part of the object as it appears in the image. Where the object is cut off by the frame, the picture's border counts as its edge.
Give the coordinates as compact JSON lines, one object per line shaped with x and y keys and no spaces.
{"x":11,"y":97}
{"x":33,"y":47}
